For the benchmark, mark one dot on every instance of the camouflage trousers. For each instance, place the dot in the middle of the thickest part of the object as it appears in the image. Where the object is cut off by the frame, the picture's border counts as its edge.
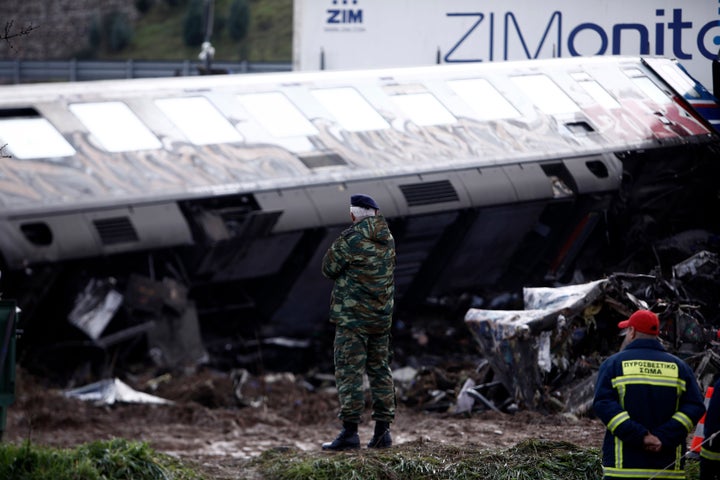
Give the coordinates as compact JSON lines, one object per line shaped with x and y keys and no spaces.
{"x":357,"y":354}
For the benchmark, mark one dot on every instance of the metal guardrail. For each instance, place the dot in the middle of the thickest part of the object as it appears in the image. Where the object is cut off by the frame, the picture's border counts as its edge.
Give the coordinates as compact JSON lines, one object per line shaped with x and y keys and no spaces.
{"x":34,"y":71}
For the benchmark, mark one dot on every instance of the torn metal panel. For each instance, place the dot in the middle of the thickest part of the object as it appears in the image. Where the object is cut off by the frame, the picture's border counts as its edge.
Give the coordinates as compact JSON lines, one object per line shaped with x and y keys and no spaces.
{"x":148,"y":295}
{"x":175,"y":296}
{"x":469,"y":393}
{"x":239,"y":378}
{"x":175,"y":340}
{"x":578,"y":398}
{"x":700,"y":279}
{"x":95,"y":306}
{"x":547,"y":355}
{"x":702,"y":263}
{"x":111,"y":391}
{"x":524,"y":346}
{"x":125,"y":334}
{"x":559,"y":299}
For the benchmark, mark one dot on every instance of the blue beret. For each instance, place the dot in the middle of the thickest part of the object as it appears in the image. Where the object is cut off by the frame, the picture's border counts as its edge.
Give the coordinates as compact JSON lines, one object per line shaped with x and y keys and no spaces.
{"x":363,"y":201}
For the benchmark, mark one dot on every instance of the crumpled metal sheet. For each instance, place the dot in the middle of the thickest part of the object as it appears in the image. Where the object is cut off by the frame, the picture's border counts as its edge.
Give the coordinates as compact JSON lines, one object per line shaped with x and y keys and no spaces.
{"x":518,"y":343}
{"x":558,"y":299}
{"x":547,"y":355}
{"x":701,"y":263}
{"x":113,"y":390}
{"x":95,"y":307}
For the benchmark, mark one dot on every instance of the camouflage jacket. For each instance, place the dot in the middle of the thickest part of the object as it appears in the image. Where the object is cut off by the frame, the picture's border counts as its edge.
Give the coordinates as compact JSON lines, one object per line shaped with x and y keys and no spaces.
{"x":361,"y":261}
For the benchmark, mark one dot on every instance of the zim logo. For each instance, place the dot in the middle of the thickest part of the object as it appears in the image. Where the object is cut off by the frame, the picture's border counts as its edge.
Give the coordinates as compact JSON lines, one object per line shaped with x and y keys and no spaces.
{"x":344,"y":15}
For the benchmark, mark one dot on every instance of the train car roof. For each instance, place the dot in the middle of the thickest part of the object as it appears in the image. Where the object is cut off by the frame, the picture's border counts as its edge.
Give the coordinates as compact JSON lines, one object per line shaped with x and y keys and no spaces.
{"x":70,"y":145}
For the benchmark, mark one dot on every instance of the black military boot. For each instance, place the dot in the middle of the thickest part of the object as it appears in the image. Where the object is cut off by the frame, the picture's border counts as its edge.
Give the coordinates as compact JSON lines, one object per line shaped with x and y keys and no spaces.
{"x":347,"y":440}
{"x":381,"y":438}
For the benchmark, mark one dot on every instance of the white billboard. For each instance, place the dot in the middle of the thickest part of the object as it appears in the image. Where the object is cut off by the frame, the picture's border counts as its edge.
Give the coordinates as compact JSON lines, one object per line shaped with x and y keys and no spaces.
{"x":352,"y":34}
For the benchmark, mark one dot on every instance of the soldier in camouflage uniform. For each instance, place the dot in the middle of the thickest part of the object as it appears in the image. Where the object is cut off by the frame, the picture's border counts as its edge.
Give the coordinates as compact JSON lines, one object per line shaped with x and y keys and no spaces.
{"x":361,"y":262}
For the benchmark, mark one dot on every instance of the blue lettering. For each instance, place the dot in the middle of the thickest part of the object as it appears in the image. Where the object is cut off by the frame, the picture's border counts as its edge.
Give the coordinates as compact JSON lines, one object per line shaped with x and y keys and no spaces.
{"x":587,"y":26}
{"x":354,"y":16}
{"x":556,"y":15}
{"x":333,"y":16}
{"x":677,"y":26}
{"x":701,"y":40}
{"x":644,"y":37}
{"x":480,"y":16}
{"x":659,"y":34}
{"x":344,"y":16}
{"x":608,"y":39}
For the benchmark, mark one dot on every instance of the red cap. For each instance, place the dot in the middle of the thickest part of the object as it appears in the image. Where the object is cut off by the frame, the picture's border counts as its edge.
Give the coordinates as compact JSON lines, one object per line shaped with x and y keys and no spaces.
{"x":643,"y":321}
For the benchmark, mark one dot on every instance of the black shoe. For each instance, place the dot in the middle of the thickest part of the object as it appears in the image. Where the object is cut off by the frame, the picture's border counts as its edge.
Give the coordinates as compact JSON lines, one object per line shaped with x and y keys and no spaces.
{"x":347,"y":440}
{"x":383,"y":440}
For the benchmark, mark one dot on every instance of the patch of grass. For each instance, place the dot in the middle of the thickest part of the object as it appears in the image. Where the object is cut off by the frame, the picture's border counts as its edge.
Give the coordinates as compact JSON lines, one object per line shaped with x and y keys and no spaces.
{"x":123,"y":460}
{"x":158,"y":35}
{"x":102,"y":460}
{"x":529,"y":460}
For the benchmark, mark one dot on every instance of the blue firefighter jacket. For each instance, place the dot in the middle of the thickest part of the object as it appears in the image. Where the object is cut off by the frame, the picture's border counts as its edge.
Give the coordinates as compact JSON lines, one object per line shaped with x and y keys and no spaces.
{"x":642,"y":389}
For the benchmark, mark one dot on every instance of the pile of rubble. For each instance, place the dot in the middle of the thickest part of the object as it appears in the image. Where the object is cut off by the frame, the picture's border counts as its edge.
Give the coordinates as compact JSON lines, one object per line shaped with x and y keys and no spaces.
{"x":542,"y":357}
{"x":546,"y":356}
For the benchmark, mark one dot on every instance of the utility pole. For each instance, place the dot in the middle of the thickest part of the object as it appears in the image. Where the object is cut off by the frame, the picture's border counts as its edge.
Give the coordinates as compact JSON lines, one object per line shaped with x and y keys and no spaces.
{"x":208,"y":51}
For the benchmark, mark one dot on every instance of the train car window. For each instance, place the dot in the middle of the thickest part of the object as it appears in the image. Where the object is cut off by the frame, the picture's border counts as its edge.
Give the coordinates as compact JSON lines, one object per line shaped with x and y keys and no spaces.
{"x":483,"y":98}
{"x":199,"y":120}
{"x":322,"y":159}
{"x":545,"y":94}
{"x":651,"y":90}
{"x":115,"y":126}
{"x":350,"y":109}
{"x":277,"y":114}
{"x":28,"y":138}
{"x":676,"y":77}
{"x":19,"y":112}
{"x":423,"y":109}
{"x":647,"y":86}
{"x":595,"y":90}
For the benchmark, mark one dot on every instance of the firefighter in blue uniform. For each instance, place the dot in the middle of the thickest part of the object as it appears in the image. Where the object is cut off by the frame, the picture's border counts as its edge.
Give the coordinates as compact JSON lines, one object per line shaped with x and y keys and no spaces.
{"x":650,"y":401}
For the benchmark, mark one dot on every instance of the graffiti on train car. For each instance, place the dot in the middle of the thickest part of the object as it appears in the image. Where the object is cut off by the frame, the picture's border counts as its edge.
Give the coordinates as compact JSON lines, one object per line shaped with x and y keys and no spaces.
{"x":180,"y":167}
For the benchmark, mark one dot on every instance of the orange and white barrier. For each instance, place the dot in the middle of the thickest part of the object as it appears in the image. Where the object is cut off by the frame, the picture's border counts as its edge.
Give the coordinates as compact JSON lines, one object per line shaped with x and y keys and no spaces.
{"x":700,"y":429}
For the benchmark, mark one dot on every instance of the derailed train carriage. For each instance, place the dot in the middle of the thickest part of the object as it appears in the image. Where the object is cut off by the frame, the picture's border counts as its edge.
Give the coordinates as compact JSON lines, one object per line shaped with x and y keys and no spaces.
{"x":218,"y":195}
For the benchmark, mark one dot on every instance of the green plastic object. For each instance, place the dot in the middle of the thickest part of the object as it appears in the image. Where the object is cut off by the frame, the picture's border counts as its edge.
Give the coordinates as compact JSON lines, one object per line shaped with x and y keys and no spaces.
{"x":8,"y":336}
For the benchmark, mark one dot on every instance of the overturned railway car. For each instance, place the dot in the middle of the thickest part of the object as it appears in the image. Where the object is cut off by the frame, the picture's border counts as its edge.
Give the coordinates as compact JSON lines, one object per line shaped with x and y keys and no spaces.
{"x":222,"y":193}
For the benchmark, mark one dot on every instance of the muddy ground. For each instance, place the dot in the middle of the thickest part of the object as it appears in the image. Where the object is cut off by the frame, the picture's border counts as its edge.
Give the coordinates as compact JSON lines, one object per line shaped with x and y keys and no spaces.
{"x":212,"y":427}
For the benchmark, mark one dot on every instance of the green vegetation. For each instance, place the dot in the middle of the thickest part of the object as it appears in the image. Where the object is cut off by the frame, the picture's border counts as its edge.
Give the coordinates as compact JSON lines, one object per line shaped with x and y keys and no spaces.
{"x":103,"y":460}
{"x":529,"y":460}
{"x":194,"y":24}
{"x":160,"y":33}
{"x":239,"y":20}
{"x":124,"y":460}
{"x":111,"y":32}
